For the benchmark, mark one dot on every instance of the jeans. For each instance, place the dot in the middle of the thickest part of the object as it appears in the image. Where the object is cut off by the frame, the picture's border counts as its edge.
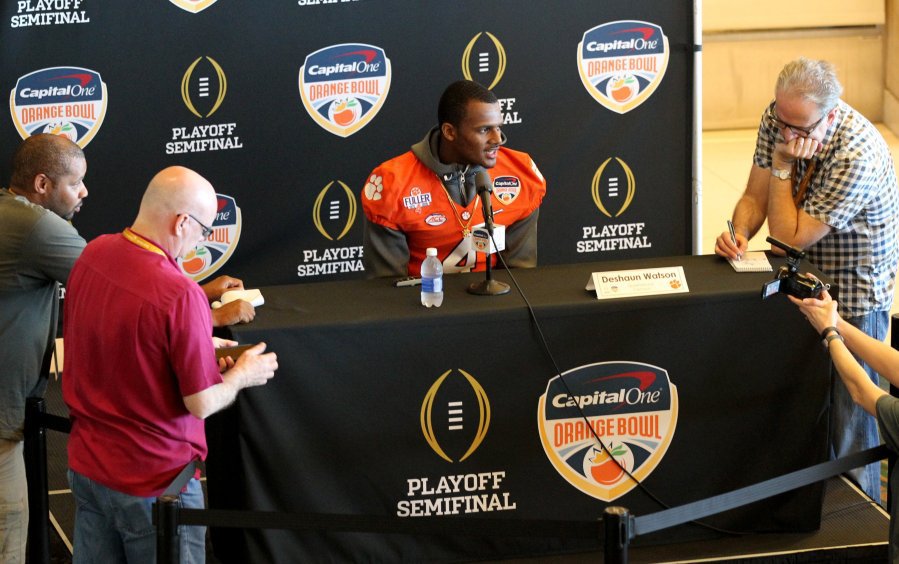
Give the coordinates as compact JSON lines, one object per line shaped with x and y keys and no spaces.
{"x":851,"y":428}
{"x":111,"y":526}
{"x":13,"y":503}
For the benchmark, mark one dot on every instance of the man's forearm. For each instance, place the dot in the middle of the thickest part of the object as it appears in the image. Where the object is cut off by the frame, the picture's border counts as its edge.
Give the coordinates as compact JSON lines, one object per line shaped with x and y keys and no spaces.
{"x":782,"y":213}
{"x":214,"y":398}
{"x":752,"y":208}
{"x":748,"y":217}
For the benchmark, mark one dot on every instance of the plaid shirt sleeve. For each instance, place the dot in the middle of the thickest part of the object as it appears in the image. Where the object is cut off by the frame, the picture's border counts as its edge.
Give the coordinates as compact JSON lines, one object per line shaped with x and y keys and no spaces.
{"x":854,"y":191}
{"x":845,"y":187}
{"x":764,"y":143}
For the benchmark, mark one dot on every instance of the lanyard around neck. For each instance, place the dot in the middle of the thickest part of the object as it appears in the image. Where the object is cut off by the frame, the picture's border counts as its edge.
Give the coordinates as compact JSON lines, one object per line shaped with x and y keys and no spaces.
{"x":142,"y":243}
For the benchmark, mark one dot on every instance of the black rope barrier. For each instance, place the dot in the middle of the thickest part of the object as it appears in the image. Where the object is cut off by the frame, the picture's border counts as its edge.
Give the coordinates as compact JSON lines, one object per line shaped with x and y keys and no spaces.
{"x":749,"y":494}
{"x":380,"y":524}
{"x":56,"y":423}
{"x":615,"y":530}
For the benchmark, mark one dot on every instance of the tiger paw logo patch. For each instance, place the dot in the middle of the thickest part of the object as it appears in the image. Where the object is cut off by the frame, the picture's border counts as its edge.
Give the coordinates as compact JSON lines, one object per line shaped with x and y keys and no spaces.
{"x":373,"y":187}
{"x":611,"y":425}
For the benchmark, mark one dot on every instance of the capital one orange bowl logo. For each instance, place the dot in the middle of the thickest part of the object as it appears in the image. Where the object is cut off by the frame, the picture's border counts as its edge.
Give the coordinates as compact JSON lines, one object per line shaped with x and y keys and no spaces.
{"x":455,"y":415}
{"x":68,"y":101}
{"x":489,"y":59}
{"x":344,"y":86}
{"x":622,"y":63}
{"x":607,"y":425}
{"x":214,"y":252}
{"x":193,"y":6}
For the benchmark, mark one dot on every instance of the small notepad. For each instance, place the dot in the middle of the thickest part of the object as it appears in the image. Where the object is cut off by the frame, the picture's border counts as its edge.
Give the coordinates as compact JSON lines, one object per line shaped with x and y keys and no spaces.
{"x":752,"y":262}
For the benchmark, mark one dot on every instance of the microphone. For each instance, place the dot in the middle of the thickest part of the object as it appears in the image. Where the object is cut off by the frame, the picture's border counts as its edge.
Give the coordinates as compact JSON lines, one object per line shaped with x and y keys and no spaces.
{"x":488,"y":287}
{"x":484,"y":185}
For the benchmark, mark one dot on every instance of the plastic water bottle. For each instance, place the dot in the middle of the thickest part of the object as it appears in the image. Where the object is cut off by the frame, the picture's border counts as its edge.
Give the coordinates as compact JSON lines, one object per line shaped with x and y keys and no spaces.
{"x":431,"y":279}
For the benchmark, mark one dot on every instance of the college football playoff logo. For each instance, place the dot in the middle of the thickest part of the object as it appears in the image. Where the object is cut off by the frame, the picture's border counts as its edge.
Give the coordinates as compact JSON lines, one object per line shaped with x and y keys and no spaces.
{"x":455,"y":415}
{"x":613,"y":187}
{"x":490,"y":58}
{"x":199,"y":89}
{"x":336,"y":203}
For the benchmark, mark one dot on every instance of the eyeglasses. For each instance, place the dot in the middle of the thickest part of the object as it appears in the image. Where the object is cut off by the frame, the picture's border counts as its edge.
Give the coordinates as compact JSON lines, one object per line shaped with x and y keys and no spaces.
{"x":801,"y":131}
{"x":207,"y":231}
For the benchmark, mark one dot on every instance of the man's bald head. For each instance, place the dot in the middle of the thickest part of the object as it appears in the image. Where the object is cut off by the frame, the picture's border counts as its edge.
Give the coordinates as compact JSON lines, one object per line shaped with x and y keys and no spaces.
{"x":176,"y":202}
{"x":176,"y":190}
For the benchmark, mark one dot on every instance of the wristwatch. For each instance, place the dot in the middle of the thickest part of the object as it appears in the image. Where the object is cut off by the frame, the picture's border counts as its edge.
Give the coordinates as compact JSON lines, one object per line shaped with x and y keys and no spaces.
{"x":832,"y":337}
{"x":829,"y":334}
{"x":781,"y":173}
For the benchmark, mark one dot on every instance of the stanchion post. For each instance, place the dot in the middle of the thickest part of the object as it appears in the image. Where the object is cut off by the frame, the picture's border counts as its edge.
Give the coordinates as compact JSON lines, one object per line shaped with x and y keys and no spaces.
{"x":165,"y":517}
{"x":617,"y":534}
{"x":894,"y":391}
{"x":35,"y":452}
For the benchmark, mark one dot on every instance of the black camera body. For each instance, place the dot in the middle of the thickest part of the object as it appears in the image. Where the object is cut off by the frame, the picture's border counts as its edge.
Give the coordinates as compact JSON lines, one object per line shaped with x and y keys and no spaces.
{"x":788,"y":280}
{"x":794,"y":284}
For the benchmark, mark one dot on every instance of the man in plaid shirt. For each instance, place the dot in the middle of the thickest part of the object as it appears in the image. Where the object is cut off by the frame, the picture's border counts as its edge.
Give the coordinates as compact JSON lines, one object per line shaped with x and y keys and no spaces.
{"x":824,"y":178}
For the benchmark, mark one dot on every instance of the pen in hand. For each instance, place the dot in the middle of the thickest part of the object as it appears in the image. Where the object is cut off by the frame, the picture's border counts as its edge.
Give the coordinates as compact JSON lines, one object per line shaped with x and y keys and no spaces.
{"x":733,"y":236}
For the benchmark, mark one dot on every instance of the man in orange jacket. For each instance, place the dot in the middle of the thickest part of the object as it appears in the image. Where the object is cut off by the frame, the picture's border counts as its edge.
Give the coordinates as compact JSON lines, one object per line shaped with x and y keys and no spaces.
{"x":426,"y":197}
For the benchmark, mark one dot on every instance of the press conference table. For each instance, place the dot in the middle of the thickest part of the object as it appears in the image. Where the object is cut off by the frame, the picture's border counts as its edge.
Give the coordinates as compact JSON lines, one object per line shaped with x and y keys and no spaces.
{"x":344,"y":427}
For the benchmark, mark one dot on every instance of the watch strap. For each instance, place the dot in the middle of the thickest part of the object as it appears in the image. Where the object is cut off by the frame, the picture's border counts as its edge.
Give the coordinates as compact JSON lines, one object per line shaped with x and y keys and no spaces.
{"x":783,"y":174}
{"x":832,"y":337}
{"x":827,"y":330}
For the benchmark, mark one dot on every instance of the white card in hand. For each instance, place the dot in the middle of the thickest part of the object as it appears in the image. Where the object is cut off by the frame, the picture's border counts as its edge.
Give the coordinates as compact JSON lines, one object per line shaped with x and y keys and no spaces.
{"x":253,"y":296}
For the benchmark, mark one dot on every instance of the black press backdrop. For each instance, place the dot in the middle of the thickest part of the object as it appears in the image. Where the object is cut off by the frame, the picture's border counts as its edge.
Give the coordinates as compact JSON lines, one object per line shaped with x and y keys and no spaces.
{"x":222,"y":86}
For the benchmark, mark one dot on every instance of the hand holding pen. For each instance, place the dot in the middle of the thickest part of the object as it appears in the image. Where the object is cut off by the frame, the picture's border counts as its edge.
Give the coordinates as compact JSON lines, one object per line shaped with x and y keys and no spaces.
{"x":730,"y":244}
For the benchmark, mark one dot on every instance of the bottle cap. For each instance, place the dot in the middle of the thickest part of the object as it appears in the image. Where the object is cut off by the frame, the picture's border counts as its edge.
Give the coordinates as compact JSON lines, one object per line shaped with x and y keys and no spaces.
{"x":431,"y":252}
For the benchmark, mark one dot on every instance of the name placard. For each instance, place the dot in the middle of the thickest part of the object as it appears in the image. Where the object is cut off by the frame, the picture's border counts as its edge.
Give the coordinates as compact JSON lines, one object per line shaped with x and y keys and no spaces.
{"x":639,"y":282}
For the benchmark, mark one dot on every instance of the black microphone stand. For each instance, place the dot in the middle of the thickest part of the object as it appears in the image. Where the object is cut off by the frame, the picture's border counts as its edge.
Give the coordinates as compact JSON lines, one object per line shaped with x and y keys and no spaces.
{"x":489,"y":286}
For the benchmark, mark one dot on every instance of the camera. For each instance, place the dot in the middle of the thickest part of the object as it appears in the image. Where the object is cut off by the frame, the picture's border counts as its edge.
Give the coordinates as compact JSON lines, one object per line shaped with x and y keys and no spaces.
{"x":788,"y":280}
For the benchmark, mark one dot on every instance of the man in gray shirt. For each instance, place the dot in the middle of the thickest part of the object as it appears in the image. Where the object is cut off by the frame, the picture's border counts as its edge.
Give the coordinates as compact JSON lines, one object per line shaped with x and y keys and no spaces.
{"x":38,"y":247}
